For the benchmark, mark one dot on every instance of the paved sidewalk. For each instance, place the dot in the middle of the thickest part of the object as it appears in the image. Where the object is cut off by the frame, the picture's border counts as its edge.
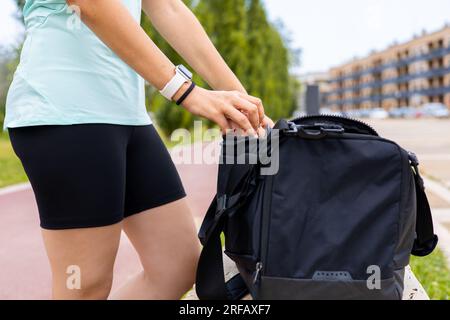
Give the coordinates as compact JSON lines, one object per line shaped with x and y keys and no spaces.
{"x":430,"y":140}
{"x":441,"y":216}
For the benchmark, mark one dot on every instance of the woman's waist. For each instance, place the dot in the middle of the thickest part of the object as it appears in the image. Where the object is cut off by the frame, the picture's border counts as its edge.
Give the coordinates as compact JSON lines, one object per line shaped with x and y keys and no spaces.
{"x":70,"y":93}
{"x":57,"y":51}
{"x":75,"y":82}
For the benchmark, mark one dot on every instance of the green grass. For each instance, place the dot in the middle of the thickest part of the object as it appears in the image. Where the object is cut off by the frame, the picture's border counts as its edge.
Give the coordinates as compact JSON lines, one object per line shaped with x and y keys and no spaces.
{"x":11,"y":170}
{"x":434,"y":274}
{"x":196,"y":135}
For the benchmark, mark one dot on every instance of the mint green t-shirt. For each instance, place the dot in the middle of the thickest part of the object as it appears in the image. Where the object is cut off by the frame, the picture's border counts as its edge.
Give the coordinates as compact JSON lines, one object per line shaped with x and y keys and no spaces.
{"x":67,"y":75}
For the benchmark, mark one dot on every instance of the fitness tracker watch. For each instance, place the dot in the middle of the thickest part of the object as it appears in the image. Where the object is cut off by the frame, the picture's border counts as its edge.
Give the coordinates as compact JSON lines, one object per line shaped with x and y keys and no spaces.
{"x":182,"y":75}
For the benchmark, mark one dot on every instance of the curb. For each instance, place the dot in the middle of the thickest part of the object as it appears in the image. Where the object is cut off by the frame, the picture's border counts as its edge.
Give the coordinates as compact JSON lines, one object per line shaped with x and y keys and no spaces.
{"x":15,"y":188}
{"x":440,"y":190}
{"x":438,"y":187}
{"x":444,"y":240}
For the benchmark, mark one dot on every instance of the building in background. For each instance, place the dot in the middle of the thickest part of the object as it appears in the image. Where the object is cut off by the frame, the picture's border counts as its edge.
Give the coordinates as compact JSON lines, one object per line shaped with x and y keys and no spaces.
{"x":408,"y":74}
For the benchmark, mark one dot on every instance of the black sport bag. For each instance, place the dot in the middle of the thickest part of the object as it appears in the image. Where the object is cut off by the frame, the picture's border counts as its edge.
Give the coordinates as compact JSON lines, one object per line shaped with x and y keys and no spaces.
{"x":338,"y":220}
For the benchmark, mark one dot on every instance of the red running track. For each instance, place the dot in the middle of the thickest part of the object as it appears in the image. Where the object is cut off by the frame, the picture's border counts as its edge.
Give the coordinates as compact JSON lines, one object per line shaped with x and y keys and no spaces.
{"x":24,"y":270}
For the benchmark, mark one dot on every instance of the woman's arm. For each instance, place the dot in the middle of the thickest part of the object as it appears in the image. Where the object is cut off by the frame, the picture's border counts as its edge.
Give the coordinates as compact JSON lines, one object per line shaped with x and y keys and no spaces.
{"x":115,"y":26}
{"x":178,"y":25}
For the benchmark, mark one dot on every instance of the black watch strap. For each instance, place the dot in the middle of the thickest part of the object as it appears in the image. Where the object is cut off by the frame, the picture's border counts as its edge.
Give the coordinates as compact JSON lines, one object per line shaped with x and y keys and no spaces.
{"x":185,"y":95}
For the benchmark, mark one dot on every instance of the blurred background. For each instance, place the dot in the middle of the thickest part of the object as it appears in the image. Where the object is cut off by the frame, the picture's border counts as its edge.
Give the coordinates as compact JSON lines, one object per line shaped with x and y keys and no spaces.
{"x":385,"y":62}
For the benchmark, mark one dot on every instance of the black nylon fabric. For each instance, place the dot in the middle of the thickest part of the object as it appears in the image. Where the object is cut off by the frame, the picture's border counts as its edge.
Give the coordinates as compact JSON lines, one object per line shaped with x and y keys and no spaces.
{"x":344,"y":200}
{"x":339,"y":208}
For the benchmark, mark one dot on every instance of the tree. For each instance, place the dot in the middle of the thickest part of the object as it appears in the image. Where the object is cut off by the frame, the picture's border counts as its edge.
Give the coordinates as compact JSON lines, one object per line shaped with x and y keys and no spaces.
{"x":226,"y":24}
{"x":9,"y":59}
{"x":3,"y":88}
{"x":8,"y":64}
{"x":257,"y":49}
{"x":269,"y":61}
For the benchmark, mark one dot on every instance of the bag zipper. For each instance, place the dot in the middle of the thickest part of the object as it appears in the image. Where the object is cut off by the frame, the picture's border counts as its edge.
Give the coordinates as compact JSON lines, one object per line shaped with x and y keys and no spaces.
{"x":259,"y":267}
{"x":264,"y":237}
{"x":336,"y":117}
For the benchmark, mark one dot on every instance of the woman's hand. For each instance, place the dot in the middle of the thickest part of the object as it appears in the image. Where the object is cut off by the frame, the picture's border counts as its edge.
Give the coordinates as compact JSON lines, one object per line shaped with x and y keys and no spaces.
{"x":228,"y":109}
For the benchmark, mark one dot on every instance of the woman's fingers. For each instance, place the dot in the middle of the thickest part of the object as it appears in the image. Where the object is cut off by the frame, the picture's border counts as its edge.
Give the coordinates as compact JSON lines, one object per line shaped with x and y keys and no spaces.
{"x":267,"y":122}
{"x":258,"y":103}
{"x":240,"y":119}
{"x":250,"y":109}
{"x":222,"y":122}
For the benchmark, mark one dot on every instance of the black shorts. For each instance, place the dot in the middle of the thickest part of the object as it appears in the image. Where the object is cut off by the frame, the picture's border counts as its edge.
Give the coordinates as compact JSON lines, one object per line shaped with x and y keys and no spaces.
{"x":93,"y":175}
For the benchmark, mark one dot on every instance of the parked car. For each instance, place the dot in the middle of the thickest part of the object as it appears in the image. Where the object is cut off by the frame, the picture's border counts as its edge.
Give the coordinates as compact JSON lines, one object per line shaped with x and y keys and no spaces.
{"x":410,"y":112}
{"x":416,"y":113}
{"x":330,"y":112}
{"x":379,"y":113}
{"x":436,"y":110}
{"x":357,"y":113}
{"x":364,"y":113}
{"x":397,"y":112}
{"x":403,"y":112}
{"x":298,"y":114}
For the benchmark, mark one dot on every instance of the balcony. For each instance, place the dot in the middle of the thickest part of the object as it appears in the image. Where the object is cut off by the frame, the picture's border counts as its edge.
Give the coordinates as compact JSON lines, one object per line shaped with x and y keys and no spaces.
{"x":437,"y":53}
{"x":401,"y":79}
{"x":398,"y":95}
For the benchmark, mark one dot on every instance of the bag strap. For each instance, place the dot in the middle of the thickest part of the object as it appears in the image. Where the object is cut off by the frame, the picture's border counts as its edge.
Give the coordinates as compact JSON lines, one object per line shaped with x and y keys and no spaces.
{"x":210,"y":279}
{"x":426,"y":240}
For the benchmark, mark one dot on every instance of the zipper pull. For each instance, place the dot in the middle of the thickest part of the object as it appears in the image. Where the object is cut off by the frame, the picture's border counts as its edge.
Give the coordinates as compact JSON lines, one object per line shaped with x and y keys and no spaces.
{"x":259,"y":267}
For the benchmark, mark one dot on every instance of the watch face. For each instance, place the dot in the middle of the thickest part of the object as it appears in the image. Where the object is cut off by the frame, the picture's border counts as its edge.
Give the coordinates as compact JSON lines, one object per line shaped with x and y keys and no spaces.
{"x":185,"y":72}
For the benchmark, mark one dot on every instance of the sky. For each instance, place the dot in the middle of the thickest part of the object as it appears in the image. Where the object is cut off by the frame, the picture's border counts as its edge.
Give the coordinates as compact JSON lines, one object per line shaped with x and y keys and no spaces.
{"x":329,"y":32}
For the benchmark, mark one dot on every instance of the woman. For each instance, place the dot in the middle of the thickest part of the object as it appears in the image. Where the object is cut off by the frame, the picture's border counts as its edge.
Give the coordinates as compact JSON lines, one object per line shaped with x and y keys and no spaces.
{"x":77,"y":121}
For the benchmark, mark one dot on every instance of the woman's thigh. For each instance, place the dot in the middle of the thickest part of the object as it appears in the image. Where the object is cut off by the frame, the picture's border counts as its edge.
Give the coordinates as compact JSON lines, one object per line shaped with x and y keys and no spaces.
{"x":82,"y":260}
{"x":77,"y":172}
{"x":166,"y":241}
{"x":151,"y":178}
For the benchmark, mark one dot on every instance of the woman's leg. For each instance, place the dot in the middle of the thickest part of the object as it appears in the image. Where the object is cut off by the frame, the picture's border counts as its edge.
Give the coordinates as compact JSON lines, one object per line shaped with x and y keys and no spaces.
{"x":78,"y":176}
{"x":166,"y":241}
{"x":85,"y":255}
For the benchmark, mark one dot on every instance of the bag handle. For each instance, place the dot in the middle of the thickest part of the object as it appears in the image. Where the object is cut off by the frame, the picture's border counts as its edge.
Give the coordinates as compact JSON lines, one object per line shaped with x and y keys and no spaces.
{"x":426,"y":240}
